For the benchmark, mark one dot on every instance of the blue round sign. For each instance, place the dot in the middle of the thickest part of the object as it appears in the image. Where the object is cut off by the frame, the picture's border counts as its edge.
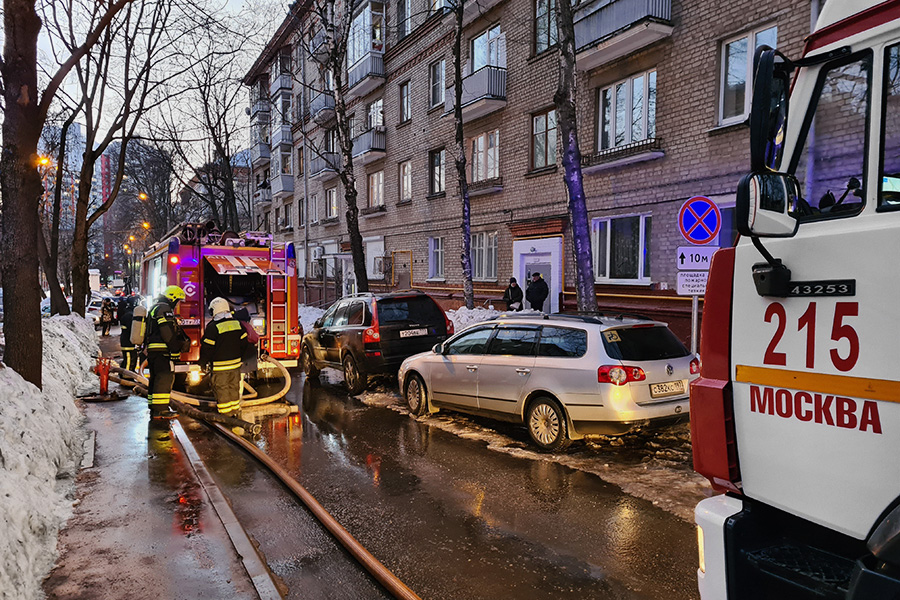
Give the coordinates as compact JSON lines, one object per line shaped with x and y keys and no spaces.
{"x":699,"y":220}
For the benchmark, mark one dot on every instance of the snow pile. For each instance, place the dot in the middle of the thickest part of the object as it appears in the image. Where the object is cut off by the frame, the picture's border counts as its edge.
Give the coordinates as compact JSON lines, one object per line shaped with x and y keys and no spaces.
{"x":40,"y":446}
{"x":308,"y":316}
{"x":463,"y":317}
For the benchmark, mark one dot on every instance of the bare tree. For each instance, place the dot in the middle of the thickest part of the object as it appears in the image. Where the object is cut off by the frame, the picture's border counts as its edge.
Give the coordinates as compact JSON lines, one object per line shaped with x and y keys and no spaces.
{"x":571,"y":159}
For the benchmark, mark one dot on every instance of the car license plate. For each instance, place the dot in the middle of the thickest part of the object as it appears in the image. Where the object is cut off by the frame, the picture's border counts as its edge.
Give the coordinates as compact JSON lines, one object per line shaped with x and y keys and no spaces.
{"x":669,"y":388}
{"x":413,"y":332}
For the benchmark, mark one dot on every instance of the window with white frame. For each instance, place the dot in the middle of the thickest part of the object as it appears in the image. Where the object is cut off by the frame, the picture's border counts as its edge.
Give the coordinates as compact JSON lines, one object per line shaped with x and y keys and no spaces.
{"x":484,"y":256}
{"x":628,"y":111}
{"x":375,"y":114}
{"x":301,"y":216}
{"x":286,"y":109}
{"x":288,"y":216}
{"x":286,"y":160}
{"x":436,"y":171}
{"x":436,"y":258}
{"x":314,"y":208}
{"x":436,"y":83}
{"x":622,"y":248}
{"x":331,"y":203}
{"x":485,"y":155}
{"x":366,"y":32}
{"x":406,"y":181}
{"x":543,"y":139}
{"x":737,"y":71}
{"x":486,"y":48}
{"x":405,"y":112}
{"x":376,"y":189}
{"x":436,"y":5}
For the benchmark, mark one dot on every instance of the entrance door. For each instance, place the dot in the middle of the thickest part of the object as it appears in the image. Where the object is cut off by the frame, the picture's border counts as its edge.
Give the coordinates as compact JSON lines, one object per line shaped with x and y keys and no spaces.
{"x":543,"y":256}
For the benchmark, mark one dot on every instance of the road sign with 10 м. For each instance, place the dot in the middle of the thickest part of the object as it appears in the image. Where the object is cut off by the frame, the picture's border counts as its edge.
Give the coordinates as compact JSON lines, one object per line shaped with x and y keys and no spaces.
{"x":694,"y":258}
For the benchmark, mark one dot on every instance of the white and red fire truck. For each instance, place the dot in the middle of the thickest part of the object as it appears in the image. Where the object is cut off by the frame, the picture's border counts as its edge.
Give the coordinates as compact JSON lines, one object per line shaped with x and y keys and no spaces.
{"x":248,"y":269}
{"x":796,"y":416}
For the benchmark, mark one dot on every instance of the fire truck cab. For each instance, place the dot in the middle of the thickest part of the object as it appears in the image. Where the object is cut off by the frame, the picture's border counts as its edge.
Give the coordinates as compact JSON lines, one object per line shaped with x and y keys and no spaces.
{"x":796,"y":415}
{"x":248,"y":270}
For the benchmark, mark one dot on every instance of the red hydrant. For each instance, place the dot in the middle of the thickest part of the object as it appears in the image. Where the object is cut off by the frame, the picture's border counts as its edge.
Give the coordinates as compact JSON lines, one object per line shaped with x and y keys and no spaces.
{"x":103,"y":373}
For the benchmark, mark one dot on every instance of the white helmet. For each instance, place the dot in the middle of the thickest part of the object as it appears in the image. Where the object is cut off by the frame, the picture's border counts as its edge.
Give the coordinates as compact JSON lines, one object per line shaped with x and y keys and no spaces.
{"x":219,"y":305}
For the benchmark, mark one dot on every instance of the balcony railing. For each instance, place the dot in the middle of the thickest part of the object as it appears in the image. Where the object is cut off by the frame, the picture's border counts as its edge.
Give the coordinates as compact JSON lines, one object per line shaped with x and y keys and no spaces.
{"x":369,"y":145}
{"x":282,"y":185}
{"x":609,"y":29}
{"x":321,"y":107}
{"x":483,"y":92}
{"x":324,"y":167}
{"x":262,"y":195}
{"x":317,"y":46}
{"x":258,"y":106}
{"x":259,"y":153}
{"x":281,"y":135}
{"x":366,"y":75}
{"x":284,"y":81}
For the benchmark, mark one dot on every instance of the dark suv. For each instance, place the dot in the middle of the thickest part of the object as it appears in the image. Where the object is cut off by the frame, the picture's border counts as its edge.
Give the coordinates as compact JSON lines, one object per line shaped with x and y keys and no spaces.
{"x":369,"y":334}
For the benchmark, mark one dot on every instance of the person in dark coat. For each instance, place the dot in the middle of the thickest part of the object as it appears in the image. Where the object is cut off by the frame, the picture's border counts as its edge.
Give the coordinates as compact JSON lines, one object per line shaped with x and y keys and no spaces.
{"x":125,"y":312}
{"x":537,"y":292}
{"x":513,"y":295}
{"x":106,"y":315}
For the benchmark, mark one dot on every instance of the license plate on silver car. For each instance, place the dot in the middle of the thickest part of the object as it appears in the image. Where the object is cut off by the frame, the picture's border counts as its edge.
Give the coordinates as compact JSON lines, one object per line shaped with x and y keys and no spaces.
{"x":413,"y":332}
{"x":669,"y":388}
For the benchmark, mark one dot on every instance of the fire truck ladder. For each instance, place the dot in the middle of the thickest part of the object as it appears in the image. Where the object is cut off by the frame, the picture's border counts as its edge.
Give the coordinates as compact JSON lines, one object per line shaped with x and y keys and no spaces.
{"x":278,"y":315}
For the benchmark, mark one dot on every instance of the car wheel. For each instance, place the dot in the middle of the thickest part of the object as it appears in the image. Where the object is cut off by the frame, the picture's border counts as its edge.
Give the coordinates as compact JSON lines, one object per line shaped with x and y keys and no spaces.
{"x":309,"y":365}
{"x":415,"y":396}
{"x":546,"y":423}
{"x":354,"y":378}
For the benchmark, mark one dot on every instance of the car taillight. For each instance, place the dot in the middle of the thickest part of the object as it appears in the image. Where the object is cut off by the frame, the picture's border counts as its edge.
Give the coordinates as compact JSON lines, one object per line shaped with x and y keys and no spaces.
{"x":695,"y":366}
{"x":619,"y":375}
{"x":450,"y":329}
{"x":713,"y":438}
{"x":372,"y":335}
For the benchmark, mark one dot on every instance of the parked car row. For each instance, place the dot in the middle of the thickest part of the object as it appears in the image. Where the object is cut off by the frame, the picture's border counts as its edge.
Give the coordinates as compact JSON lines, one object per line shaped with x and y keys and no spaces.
{"x":564,"y":377}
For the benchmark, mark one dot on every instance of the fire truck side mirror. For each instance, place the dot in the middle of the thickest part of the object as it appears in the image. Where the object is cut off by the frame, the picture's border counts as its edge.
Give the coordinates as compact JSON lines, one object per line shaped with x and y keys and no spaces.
{"x":769,"y":108}
{"x":764,"y":202}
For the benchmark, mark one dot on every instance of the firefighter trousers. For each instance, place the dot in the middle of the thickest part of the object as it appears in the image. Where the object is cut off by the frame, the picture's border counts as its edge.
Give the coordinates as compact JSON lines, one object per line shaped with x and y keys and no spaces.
{"x":162,"y":376}
{"x":226,"y":386}
{"x":129,"y":358}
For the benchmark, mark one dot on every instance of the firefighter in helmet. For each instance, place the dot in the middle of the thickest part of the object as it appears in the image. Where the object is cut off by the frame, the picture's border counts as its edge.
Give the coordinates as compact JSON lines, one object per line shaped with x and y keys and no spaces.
{"x":165,"y":343}
{"x":221,"y":351}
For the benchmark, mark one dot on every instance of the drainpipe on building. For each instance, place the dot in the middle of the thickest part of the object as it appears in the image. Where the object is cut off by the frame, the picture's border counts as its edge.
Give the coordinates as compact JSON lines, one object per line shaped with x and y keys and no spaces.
{"x":305,"y":173}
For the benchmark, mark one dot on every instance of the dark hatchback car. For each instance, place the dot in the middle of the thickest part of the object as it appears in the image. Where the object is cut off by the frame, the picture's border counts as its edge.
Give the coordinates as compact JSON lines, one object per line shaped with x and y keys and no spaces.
{"x":371,"y":334}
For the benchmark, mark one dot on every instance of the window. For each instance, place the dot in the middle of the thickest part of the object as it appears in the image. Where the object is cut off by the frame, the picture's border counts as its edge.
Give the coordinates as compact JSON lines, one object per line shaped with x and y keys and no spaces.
{"x":513,"y":342}
{"x":544,"y":25}
{"x":406,"y":181}
{"x":288,"y":215}
{"x":314,"y":208}
{"x":278,"y":218}
{"x":622,"y":248}
{"x":471,"y":342}
{"x":559,"y":341}
{"x":436,"y":258}
{"x":331,"y":204}
{"x":485,"y":155}
{"x":266,"y":222}
{"x":486,"y":49}
{"x":484,"y":256}
{"x":356,"y":313}
{"x":436,"y":82}
{"x":284,"y":61}
{"x":890,"y":154}
{"x":628,"y":111}
{"x":644,"y":343}
{"x":366,"y":33}
{"x":543,"y":139}
{"x":436,"y":172}
{"x":833,"y":143}
{"x":331,"y":141}
{"x":402,"y":18}
{"x":376,"y":189}
{"x":299,"y":162}
{"x":436,"y":6}
{"x":405,"y":113}
{"x":286,"y":161}
{"x":375,"y":114}
{"x":285,"y":109}
{"x":301,"y":206}
{"x":737,"y":66}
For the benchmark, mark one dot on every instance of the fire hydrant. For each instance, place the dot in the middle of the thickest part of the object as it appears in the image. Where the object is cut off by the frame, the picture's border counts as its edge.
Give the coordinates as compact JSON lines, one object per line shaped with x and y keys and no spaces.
{"x":102,"y":370}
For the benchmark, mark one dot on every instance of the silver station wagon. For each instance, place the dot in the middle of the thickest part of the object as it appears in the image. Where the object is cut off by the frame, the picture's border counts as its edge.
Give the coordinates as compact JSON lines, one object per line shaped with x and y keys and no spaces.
{"x":565,"y":377}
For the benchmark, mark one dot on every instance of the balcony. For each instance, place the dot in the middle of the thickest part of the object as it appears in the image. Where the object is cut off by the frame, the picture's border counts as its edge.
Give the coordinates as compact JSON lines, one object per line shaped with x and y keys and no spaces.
{"x":369,"y":145}
{"x":281,"y":82}
{"x":612,"y":158}
{"x":259,"y":106}
{"x":366,"y":75}
{"x":321,"y":107}
{"x":324,"y":168}
{"x":281,"y":135}
{"x":484,"y":92}
{"x":317,"y":48}
{"x":486,"y":186}
{"x":259,"y":154}
{"x":609,"y":29}
{"x":262,"y":195}
{"x":282,"y":185}
{"x":473,"y":10}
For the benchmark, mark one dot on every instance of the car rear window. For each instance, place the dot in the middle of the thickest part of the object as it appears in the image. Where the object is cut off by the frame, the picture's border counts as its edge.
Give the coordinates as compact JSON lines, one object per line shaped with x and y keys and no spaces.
{"x":642,"y":343}
{"x":559,"y":341}
{"x":415,"y":309}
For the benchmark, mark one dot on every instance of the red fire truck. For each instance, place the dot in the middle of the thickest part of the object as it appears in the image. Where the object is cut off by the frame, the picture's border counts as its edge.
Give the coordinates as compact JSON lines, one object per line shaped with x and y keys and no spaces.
{"x":249,"y":270}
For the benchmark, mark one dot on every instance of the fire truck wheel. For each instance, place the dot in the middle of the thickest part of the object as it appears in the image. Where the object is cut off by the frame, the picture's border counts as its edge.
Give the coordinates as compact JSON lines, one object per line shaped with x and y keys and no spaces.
{"x":309,"y":365}
{"x":354,"y":378}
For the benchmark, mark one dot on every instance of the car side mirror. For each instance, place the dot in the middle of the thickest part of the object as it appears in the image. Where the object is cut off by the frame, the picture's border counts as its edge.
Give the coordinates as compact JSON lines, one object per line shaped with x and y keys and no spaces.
{"x":317,"y":324}
{"x":438,"y":349}
{"x":764,"y":202}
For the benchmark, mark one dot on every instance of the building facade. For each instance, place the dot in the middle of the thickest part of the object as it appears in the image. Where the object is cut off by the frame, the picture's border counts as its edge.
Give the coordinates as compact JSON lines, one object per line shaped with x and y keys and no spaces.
{"x":663,"y":98}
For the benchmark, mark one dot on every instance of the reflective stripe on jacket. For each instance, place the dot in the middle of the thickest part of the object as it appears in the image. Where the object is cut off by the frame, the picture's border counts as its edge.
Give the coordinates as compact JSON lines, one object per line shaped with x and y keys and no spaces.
{"x":223,"y":344}
{"x":163,"y":331}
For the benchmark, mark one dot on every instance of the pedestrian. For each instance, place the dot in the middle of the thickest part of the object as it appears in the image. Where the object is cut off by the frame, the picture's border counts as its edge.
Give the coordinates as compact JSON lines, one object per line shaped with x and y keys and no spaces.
{"x":106,"y":315}
{"x":222,"y":351}
{"x":537,"y":292}
{"x":513,"y":295}
{"x":125,"y":314}
{"x":165,"y":343}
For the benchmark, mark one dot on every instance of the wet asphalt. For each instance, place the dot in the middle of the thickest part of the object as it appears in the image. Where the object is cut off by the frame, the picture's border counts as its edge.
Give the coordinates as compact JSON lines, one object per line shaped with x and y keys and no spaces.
{"x":447,"y":515}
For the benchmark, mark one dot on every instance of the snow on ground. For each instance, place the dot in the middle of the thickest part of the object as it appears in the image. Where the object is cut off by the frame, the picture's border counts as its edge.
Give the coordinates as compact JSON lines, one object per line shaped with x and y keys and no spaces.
{"x":40,"y":448}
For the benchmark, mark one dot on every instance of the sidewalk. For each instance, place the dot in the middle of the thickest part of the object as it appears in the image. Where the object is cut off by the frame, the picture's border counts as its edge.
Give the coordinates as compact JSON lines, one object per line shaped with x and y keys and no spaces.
{"x":144,"y":527}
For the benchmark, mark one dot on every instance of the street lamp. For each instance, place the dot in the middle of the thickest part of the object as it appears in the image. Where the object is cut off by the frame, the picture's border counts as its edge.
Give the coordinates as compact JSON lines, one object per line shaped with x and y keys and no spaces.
{"x":143,"y":196}
{"x":145,"y":225}
{"x":130,"y":238}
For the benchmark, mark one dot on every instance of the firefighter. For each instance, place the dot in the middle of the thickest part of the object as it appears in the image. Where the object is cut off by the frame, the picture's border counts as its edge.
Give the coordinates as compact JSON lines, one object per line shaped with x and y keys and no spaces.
{"x":125,"y":314}
{"x":165,"y":342}
{"x":221,"y":351}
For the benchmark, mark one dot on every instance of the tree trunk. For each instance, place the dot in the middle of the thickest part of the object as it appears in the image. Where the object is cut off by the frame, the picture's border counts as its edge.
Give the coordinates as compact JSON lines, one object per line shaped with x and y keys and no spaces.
{"x":21,"y":187}
{"x":80,"y":280}
{"x":566,"y":121}
{"x":466,"y":225}
{"x":58,"y":304}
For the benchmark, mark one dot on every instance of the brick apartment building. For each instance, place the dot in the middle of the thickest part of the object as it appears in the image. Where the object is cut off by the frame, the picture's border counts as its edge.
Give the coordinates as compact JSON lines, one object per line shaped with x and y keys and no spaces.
{"x":662,"y":104}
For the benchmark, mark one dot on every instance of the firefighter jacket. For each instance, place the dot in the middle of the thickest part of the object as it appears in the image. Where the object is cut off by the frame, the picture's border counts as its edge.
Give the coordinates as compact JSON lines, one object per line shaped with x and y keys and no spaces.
{"x":223,"y":345}
{"x":163,"y":332}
